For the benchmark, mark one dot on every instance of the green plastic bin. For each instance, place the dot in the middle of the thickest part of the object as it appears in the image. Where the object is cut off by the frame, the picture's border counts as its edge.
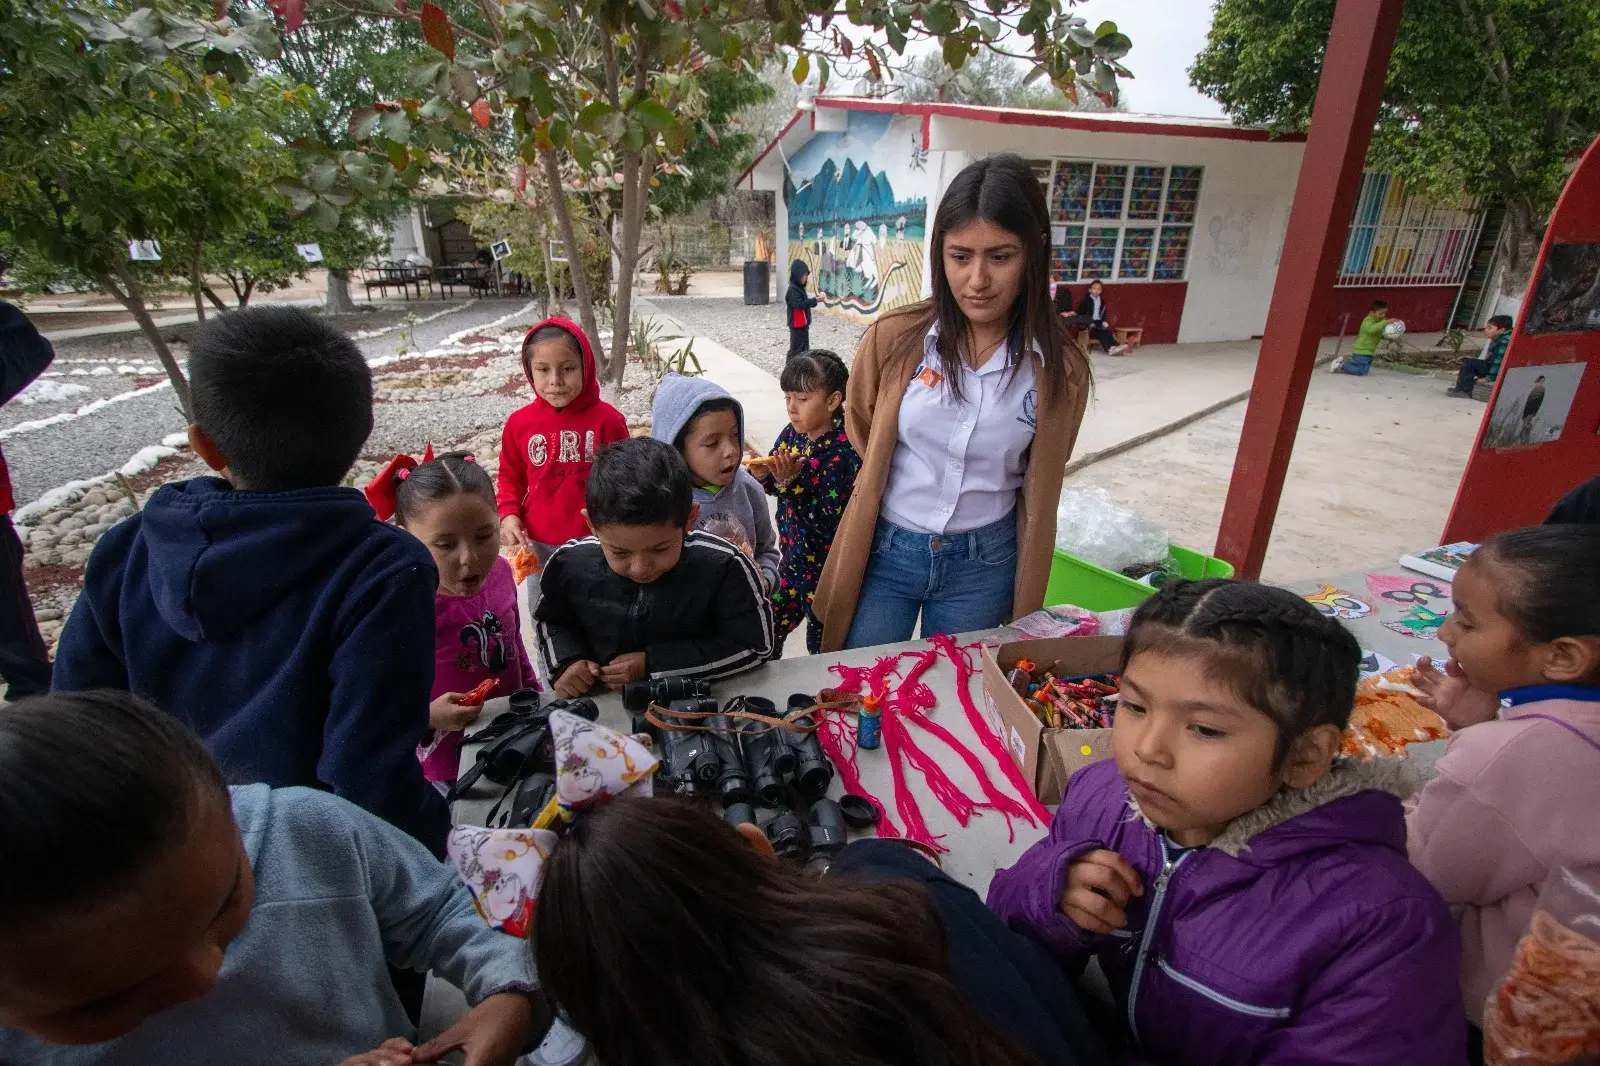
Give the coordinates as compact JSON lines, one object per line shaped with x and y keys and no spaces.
{"x":1094,"y":588}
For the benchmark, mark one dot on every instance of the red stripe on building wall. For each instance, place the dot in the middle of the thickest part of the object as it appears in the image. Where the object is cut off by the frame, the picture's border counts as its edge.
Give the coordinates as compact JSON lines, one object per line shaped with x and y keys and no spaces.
{"x":1423,"y":308}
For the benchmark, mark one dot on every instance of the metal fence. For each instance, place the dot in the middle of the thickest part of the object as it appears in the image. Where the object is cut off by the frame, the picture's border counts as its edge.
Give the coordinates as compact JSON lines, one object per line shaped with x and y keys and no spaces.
{"x":1400,"y":238}
{"x":703,"y":244}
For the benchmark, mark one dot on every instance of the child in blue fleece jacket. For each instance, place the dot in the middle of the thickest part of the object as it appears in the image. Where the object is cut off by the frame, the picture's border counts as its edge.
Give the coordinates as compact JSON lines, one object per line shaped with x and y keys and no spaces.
{"x":268,"y":607}
{"x":152,"y":915}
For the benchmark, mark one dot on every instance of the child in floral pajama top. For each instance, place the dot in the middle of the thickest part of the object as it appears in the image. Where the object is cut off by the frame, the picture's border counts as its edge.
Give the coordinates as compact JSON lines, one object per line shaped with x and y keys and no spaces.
{"x":812,"y":472}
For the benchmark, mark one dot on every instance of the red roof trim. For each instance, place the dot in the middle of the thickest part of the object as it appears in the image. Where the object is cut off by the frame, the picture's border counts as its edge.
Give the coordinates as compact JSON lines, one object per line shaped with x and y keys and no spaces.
{"x":1059,"y":120}
{"x":781,"y":135}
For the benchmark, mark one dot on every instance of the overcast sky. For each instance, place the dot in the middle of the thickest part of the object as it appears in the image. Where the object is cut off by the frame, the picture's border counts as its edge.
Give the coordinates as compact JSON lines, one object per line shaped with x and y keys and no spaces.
{"x":1167,"y":34}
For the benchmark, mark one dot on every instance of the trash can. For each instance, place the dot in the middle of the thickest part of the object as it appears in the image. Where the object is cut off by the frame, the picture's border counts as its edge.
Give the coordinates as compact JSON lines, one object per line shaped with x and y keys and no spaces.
{"x":757,"y":282}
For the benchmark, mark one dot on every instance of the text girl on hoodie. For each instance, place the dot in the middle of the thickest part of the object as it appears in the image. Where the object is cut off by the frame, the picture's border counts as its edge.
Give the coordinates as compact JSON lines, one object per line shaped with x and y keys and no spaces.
{"x":1245,"y":888}
{"x":448,"y":504}
{"x":1514,"y":799}
{"x":812,"y":471}
{"x":706,"y":425}
{"x":798,"y":306}
{"x":548,"y":446}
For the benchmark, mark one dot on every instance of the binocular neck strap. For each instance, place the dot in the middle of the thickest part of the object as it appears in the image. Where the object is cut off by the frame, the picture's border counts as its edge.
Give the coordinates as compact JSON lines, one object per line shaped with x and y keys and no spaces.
{"x":694,"y":721}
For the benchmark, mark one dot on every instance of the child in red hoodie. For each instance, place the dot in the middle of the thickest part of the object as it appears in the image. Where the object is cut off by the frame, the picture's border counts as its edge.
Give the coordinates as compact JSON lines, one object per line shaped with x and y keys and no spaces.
{"x":548,"y":446}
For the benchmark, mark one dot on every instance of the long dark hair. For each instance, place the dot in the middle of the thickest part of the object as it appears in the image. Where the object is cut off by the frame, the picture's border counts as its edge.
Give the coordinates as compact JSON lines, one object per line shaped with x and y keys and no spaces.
{"x":1001,"y":189}
{"x":669,"y":941}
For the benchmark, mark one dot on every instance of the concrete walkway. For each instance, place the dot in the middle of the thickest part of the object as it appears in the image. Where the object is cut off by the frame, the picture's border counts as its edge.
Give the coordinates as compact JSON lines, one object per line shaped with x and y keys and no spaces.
{"x":1375,"y":467}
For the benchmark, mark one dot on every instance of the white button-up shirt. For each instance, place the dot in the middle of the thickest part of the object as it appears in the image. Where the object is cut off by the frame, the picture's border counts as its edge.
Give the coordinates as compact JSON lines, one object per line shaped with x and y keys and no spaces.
{"x":958,"y":464}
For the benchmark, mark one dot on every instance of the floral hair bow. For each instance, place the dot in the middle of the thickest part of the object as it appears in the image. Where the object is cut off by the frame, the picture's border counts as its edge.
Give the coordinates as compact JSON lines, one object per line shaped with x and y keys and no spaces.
{"x":383,"y":489}
{"x":502,"y":868}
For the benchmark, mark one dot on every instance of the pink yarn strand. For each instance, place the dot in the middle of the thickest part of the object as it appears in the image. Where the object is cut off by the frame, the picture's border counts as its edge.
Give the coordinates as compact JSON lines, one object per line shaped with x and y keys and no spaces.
{"x":958,"y":656}
{"x":832,"y":734}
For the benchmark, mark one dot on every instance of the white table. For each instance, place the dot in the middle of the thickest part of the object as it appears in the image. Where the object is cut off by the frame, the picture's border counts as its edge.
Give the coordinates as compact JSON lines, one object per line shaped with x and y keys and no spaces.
{"x":976,"y":851}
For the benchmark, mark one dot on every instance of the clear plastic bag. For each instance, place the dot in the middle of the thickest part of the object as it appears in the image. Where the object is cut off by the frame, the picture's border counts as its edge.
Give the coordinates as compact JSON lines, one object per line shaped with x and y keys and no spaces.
{"x":1547,"y":1011}
{"x":1093,"y":527}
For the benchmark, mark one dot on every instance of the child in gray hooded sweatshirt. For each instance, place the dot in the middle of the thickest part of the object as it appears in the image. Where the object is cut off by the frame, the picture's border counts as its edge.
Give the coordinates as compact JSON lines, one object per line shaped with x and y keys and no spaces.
{"x":706,"y":425}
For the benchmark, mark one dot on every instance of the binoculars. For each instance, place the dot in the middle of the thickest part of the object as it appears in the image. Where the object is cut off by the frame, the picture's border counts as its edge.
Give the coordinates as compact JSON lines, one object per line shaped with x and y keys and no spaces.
{"x":518,"y":746}
{"x":772,"y":778}
{"x":740,"y":762}
{"x":819,"y":829}
{"x":663,"y":692}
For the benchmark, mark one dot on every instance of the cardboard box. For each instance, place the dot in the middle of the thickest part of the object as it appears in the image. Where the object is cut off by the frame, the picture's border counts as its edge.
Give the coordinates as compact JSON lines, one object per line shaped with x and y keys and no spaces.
{"x":1047,"y":756}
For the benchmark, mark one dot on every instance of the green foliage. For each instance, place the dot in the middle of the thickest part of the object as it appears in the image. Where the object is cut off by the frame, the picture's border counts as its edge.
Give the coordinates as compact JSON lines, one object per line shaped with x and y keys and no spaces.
{"x":710,"y":163}
{"x":988,"y":79}
{"x":1491,"y":98}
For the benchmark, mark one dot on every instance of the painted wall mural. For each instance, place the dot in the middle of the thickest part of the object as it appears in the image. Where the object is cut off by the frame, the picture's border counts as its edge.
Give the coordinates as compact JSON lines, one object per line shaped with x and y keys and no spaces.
{"x":857,"y":203}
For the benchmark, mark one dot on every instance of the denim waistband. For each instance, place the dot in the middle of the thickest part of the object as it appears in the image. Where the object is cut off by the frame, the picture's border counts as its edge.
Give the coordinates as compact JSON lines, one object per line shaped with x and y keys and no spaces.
{"x":994,"y":535}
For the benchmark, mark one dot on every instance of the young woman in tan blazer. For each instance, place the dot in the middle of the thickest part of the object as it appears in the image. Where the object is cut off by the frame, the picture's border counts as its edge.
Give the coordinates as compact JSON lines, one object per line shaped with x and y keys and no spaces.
{"x":964,"y":409}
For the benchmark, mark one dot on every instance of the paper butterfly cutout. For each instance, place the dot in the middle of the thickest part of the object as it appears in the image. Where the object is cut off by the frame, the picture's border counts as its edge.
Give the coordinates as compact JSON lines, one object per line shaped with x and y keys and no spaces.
{"x":502,"y":868}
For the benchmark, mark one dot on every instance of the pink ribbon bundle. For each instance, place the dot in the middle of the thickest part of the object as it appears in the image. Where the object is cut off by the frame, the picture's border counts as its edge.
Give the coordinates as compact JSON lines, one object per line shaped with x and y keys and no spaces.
{"x":910,"y":702}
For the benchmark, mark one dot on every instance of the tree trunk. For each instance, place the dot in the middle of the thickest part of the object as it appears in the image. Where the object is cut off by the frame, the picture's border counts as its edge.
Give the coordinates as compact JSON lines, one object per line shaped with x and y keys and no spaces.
{"x":1520,"y":246}
{"x":216,"y":301}
{"x":553,"y":303}
{"x":122,"y":285}
{"x":338,"y":301}
{"x":633,"y":186}
{"x":575,"y":265}
{"x":197,"y":281}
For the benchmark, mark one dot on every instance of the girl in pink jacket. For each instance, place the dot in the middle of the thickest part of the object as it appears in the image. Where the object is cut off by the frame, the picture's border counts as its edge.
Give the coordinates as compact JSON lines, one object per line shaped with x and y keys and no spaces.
{"x":1515,"y":796}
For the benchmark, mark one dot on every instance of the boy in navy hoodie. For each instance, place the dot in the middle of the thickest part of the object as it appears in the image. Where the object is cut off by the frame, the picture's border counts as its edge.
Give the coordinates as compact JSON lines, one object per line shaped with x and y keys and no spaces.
{"x":268,"y":607}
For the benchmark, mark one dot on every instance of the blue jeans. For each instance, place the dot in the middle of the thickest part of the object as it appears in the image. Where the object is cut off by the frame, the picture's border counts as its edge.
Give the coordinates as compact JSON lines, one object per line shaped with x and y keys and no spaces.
{"x":1357,"y":365}
{"x":957,"y":582}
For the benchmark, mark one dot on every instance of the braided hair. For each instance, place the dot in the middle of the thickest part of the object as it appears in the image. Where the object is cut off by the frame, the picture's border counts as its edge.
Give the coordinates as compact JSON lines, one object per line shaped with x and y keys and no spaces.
{"x":438,"y":479}
{"x":817,"y":370}
{"x":1276,"y":651}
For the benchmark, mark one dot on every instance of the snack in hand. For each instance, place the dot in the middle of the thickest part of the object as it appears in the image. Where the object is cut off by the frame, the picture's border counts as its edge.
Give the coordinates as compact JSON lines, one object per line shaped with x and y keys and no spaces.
{"x":1387,"y":716}
{"x":758,"y":464}
{"x":524,"y":564}
{"x":480,"y":692}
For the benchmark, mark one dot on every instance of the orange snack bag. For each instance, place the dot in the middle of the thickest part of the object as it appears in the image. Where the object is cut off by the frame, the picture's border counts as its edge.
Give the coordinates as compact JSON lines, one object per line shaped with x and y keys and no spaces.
{"x":1547,"y":1011}
{"x":524,"y":564}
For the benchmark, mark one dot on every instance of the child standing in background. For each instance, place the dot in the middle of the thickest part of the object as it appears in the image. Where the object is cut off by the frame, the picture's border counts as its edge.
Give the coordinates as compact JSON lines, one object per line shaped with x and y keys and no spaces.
{"x":448,"y":504}
{"x":812,"y":471}
{"x":1368,"y":337}
{"x":706,"y":426}
{"x":799,"y":307}
{"x":1513,"y":799}
{"x":549,"y":445}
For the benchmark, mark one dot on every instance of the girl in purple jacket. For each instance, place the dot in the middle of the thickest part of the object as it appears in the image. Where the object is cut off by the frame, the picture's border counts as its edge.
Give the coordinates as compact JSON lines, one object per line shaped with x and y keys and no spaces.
{"x":1244,"y":887}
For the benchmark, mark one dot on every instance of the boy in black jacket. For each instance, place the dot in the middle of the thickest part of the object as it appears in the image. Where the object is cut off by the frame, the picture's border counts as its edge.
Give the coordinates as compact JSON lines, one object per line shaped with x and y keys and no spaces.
{"x":799,"y":306}
{"x":648,"y":595}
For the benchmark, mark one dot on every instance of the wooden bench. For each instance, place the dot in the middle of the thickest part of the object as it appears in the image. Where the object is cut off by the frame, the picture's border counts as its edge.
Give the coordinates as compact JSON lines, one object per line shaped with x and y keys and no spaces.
{"x":1128,"y":335}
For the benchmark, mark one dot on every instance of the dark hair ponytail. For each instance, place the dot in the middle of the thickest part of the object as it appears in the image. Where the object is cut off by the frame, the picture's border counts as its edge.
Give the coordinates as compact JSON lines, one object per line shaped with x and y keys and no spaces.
{"x":1554,"y":589}
{"x":817,"y":370}
{"x":1002,"y":189}
{"x":1278,"y":653}
{"x":670,"y":942}
{"x":438,"y":479}
{"x":95,"y":787}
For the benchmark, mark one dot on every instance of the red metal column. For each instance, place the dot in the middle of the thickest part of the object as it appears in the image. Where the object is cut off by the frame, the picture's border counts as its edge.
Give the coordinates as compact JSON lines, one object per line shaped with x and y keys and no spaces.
{"x":1353,"y":71}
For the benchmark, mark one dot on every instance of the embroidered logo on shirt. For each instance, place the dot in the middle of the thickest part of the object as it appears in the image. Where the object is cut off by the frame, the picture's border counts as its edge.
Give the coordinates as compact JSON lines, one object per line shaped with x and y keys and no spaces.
{"x":566,"y":443}
{"x":928,"y":376}
{"x":1030,"y":410}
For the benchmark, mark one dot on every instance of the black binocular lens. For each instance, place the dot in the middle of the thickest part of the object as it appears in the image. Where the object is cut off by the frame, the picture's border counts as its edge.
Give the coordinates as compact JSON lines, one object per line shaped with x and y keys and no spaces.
{"x":813,"y":772}
{"x":739,"y":814}
{"x":733,"y":785}
{"x":828,"y":831}
{"x":790,"y":836}
{"x":525,"y":700}
{"x":637,"y":695}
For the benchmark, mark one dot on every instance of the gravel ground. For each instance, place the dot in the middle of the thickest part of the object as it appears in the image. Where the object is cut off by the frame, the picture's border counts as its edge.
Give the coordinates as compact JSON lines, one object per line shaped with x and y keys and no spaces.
{"x":758,"y":333}
{"x":42,"y":459}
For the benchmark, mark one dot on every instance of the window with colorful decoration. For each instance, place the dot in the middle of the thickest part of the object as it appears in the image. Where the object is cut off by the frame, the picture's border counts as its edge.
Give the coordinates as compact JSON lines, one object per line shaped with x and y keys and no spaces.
{"x":1120,"y":221}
